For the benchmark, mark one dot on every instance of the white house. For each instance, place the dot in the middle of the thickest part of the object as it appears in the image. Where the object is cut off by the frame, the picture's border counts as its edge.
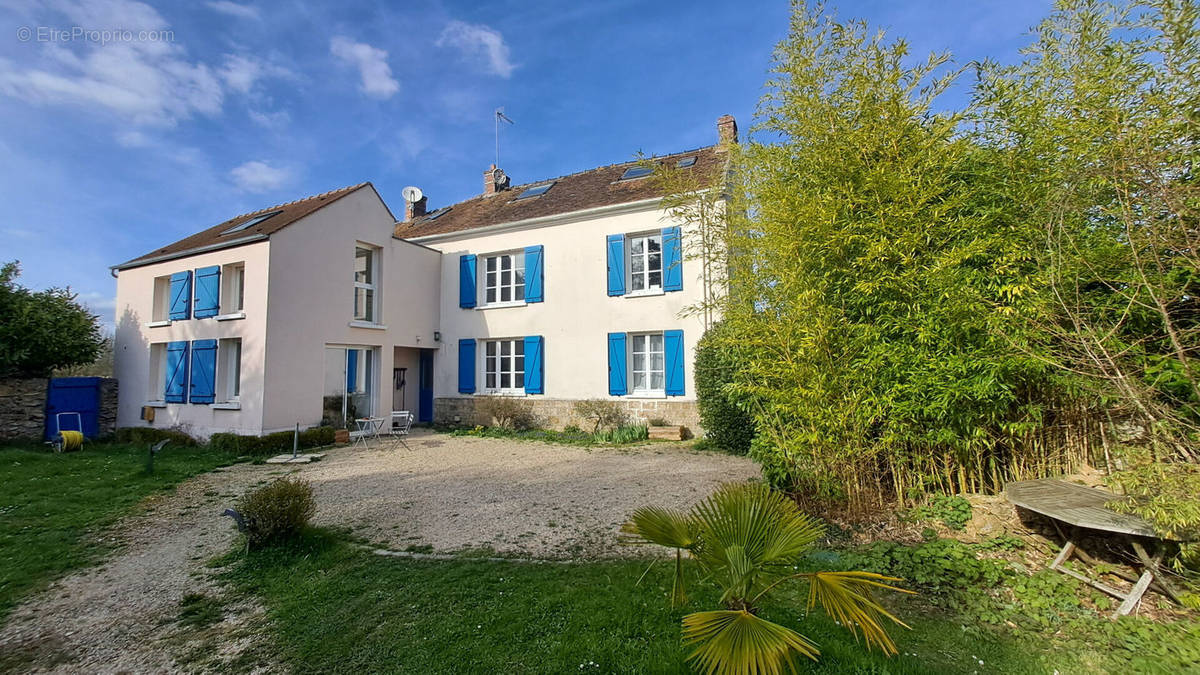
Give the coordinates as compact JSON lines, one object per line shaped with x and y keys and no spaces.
{"x":327,"y":309}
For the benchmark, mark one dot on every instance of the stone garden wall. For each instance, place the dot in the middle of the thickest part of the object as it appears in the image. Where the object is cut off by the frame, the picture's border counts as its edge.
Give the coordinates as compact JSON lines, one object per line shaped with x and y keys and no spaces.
{"x":23,"y":408}
{"x":559,"y":413}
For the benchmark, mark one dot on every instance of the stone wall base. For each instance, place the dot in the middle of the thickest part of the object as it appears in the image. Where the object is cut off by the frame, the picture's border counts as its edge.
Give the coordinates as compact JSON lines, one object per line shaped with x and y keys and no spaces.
{"x":558,"y":413}
{"x":23,"y":408}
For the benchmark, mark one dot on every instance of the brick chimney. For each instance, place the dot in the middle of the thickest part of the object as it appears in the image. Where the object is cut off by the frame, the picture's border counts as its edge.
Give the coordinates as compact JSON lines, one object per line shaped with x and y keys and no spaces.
{"x":726,"y":130}
{"x":415,"y":209}
{"x":494,"y":180}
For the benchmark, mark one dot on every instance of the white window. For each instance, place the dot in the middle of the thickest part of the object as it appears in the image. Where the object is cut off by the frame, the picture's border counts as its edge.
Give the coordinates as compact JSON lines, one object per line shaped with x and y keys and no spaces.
{"x":504,"y":366}
{"x":233,"y":288}
{"x":229,"y":370}
{"x":504,"y":278}
{"x":162,"y":299}
{"x":350,"y":377}
{"x":156,"y":391}
{"x":647,"y":365}
{"x":366,"y":272}
{"x":645,"y":262}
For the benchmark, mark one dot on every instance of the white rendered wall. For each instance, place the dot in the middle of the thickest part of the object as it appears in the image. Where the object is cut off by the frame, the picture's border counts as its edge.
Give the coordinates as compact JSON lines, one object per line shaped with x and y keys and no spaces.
{"x":577,"y":313}
{"x":312,"y":284}
{"x":131,"y":358}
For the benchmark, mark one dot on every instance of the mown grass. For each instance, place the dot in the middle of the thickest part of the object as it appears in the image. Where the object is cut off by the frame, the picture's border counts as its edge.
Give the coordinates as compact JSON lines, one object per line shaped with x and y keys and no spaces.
{"x":53,"y":505}
{"x":336,"y":608}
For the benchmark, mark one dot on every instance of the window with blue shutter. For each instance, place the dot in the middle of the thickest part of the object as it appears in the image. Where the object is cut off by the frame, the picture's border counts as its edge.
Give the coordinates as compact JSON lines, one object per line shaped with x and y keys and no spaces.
{"x":176,"y":376}
{"x":208,"y":292}
{"x":181,"y":296}
{"x":466,"y":280}
{"x":534,"y":286}
{"x":672,"y":259}
{"x":616,"y":364}
{"x":673,"y":348}
{"x":616,"y":264}
{"x":204,"y":371}
{"x":466,"y":366}
{"x":534,"y":375}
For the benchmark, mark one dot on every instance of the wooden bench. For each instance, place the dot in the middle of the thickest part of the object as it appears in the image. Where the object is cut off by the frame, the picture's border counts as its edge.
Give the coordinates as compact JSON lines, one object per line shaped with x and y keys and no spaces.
{"x":1082,"y":507}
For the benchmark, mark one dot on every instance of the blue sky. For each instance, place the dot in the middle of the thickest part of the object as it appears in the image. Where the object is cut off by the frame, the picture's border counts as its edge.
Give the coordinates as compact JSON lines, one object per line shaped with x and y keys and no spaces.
{"x":111,"y":147}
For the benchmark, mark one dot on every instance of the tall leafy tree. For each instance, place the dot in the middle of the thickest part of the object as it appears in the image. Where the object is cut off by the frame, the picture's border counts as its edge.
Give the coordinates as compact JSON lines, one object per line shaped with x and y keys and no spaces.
{"x":41,"y":331}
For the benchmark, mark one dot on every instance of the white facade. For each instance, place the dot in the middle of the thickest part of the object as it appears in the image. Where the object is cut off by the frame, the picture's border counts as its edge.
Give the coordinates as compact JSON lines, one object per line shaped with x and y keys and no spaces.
{"x":337,"y":318}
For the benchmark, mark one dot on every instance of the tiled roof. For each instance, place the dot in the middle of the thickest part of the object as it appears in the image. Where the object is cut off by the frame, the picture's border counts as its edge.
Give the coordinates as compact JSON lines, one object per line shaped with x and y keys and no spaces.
{"x":576,"y":192}
{"x":217,"y":235}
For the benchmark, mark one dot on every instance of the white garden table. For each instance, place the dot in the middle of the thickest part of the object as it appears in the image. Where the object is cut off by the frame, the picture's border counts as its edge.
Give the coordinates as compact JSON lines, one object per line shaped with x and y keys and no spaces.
{"x":368,"y":427}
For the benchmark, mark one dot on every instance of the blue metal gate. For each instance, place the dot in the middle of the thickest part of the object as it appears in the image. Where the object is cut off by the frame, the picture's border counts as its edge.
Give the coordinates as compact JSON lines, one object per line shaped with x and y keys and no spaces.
{"x":73,"y":395}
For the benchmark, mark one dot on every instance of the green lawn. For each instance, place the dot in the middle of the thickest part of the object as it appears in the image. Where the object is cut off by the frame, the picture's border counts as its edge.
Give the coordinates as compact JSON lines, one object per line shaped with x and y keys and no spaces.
{"x":337,"y":608}
{"x":51,"y":504}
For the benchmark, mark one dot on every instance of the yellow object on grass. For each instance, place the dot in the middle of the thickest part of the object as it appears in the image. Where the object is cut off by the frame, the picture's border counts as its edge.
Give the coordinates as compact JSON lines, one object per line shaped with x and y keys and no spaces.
{"x":70,"y":440}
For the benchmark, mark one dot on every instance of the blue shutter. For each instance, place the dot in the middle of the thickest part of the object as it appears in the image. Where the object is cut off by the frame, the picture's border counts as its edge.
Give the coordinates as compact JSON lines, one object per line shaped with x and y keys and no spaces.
{"x":351,"y":371}
{"x":466,"y":366}
{"x":204,"y":371}
{"x":534,"y":380}
{"x":672,"y":259}
{"x":616,"y":264}
{"x":673,"y":351}
{"x":466,"y":281}
{"x":181,"y":296}
{"x":177,"y":373}
{"x":616,"y":364}
{"x":533,"y":274}
{"x":208,"y":292}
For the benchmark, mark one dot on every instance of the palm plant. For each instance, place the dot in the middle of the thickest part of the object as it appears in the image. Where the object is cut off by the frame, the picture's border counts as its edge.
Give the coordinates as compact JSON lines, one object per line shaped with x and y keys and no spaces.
{"x":748,"y":539}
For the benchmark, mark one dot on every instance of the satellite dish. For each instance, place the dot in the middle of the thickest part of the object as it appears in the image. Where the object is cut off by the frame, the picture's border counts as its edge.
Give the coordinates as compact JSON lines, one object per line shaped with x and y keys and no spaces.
{"x":412,"y":194}
{"x":499,"y":179}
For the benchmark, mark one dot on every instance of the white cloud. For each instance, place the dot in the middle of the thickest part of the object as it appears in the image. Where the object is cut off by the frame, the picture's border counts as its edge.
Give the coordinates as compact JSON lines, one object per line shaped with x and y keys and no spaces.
{"x":481,"y":42}
{"x":149,"y":82}
{"x":270,"y":120}
{"x":377,"y":80}
{"x":133,"y":139}
{"x":259,"y":176}
{"x":234,"y":9}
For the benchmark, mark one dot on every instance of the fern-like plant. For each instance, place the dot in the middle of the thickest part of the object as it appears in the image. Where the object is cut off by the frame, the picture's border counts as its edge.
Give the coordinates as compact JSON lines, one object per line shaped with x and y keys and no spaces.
{"x":748,"y":539}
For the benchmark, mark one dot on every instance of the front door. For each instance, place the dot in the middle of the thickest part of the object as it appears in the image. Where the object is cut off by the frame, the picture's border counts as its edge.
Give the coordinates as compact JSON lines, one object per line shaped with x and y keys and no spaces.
{"x":425,"y":390}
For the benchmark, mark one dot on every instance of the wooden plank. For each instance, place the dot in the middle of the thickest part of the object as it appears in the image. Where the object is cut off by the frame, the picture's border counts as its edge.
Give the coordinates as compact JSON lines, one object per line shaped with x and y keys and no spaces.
{"x":1136,"y":594}
{"x":1076,"y":504}
{"x":1063,"y":555}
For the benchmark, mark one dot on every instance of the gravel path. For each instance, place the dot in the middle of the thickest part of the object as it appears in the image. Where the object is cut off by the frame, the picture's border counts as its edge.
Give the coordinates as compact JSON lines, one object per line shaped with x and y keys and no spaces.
{"x":441,"y":493}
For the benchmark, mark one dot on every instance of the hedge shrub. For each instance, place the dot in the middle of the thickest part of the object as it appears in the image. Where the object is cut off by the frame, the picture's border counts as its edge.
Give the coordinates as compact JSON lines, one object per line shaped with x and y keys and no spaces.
{"x":277,"y":511}
{"x":150,"y":435}
{"x":726,"y":425}
{"x":271,"y":444}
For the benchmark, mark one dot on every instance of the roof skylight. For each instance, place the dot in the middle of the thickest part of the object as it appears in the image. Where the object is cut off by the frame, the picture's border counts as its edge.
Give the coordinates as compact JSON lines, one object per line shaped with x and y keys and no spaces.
{"x":685,"y":162}
{"x":535,"y":191}
{"x":636,"y":172}
{"x":251,"y":223}
{"x":438,"y":214}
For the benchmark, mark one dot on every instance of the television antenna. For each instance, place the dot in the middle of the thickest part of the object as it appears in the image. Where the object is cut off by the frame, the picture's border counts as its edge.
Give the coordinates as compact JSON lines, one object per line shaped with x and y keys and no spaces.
{"x":500,"y":117}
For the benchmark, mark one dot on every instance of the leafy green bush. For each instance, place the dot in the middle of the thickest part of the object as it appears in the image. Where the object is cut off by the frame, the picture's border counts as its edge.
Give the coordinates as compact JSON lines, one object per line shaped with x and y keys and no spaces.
{"x":943,"y":566}
{"x":624,"y":434}
{"x":278,"y":511}
{"x":506,"y":412}
{"x":954,"y":511}
{"x":151,"y":435}
{"x":601,"y":413}
{"x":270,"y":444}
{"x":725,"y":424}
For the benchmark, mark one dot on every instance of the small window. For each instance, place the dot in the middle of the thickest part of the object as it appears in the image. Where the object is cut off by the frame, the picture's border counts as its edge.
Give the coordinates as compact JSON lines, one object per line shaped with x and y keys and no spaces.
{"x":156,"y":391}
{"x":162,"y":299}
{"x":229,"y":370}
{"x":250,"y":223}
{"x":504,"y":366}
{"x":645,"y":262}
{"x":647,"y":365}
{"x":535,"y":191}
{"x":504,"y":278}
{"x":636,"y":172}
{"x":233,"y":288}
{"x":366,"y":264}
{"x":685,"y":162}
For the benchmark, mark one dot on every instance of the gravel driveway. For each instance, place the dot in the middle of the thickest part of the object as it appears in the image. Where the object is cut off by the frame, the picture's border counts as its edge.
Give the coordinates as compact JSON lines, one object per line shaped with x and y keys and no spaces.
{"x":441,"y":493}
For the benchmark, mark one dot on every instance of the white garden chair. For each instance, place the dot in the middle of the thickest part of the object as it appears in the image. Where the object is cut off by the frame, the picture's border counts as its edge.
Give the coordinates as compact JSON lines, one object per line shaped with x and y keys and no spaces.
{"x":401,"y":423}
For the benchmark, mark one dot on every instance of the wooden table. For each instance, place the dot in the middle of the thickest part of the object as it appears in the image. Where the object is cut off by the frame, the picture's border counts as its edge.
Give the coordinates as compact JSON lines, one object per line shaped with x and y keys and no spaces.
{"x":1082,"y":507}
